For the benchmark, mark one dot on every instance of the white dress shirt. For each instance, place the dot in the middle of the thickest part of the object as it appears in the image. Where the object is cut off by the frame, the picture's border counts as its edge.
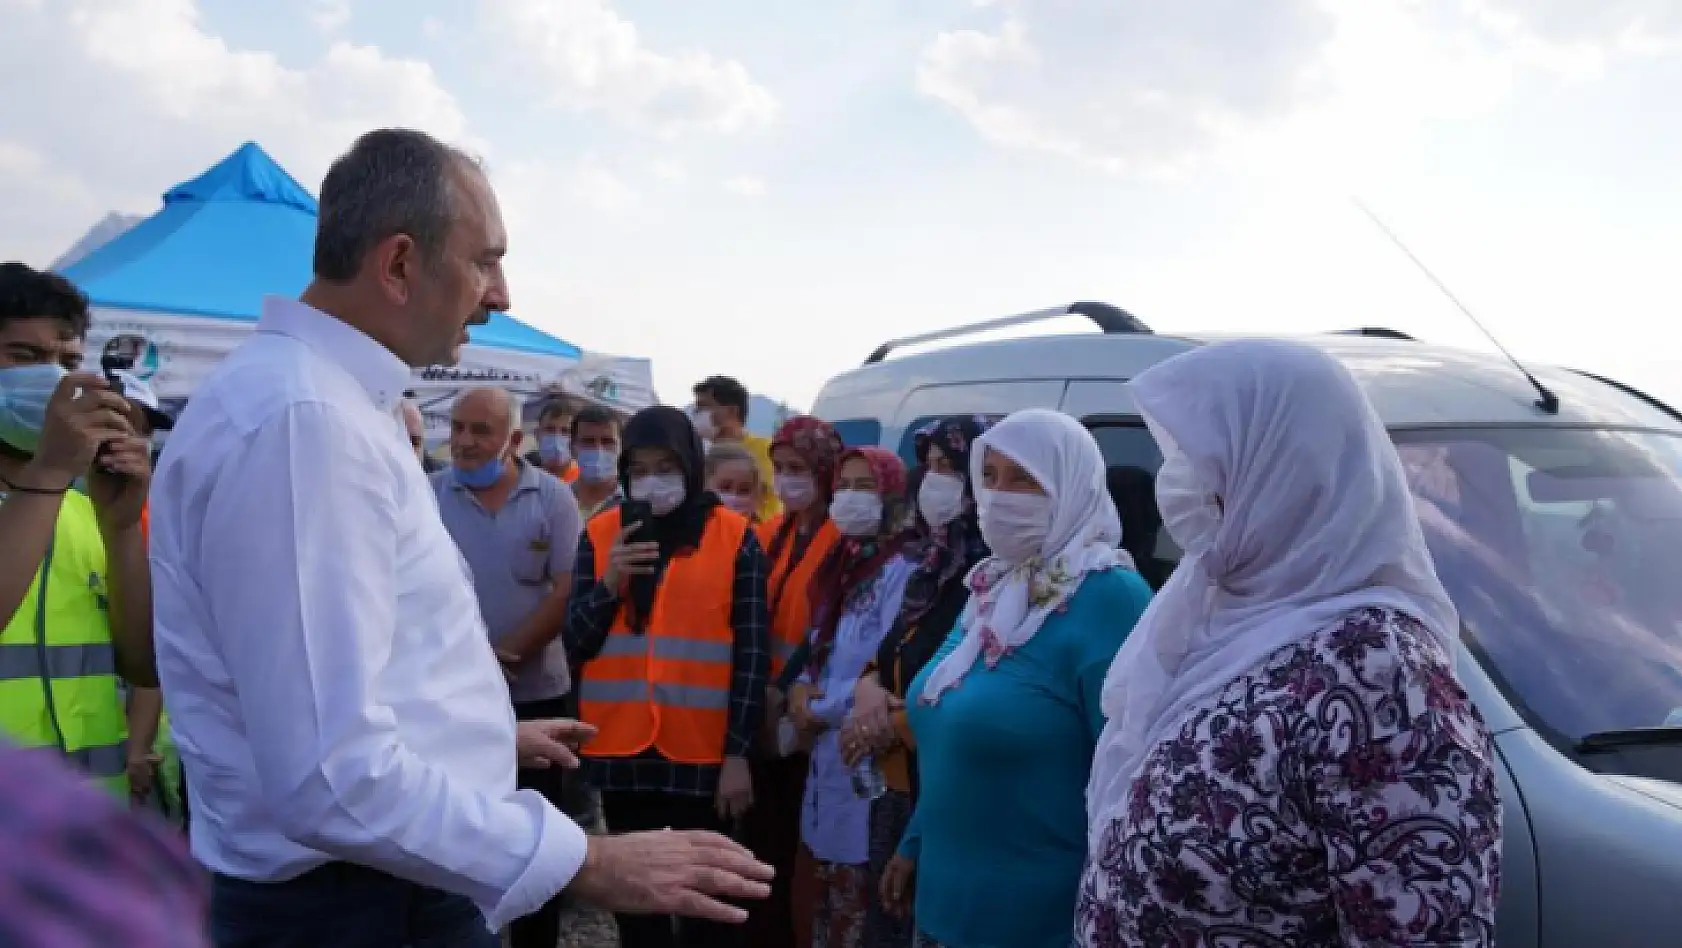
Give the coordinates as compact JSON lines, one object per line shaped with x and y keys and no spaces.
{"x":329,"y":679}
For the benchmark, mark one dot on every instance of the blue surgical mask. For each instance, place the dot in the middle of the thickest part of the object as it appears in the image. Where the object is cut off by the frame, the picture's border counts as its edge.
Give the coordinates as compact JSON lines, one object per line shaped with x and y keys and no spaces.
{"x":24,"y":393}
{"x":482,"y":477}
{"x":598,"y":464}
{"x":554,"y":448}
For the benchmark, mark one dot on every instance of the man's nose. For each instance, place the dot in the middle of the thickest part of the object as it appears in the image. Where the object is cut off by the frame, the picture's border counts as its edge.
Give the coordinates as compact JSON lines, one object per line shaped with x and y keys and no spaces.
{"x":496,"y":298}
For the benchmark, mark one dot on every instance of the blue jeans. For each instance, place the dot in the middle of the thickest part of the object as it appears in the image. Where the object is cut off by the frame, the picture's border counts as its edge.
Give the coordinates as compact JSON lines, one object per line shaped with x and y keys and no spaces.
{"x":342,"y":906}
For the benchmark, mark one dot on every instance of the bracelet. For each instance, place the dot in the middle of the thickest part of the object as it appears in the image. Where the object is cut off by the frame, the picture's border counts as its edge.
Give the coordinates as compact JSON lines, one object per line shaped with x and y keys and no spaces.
{"x":42,"y":491}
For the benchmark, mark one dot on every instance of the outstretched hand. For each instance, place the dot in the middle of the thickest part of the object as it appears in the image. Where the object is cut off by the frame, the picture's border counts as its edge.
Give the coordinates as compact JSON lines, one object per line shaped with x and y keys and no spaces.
{"x":552,"y":742}
{"x":671,"y":872}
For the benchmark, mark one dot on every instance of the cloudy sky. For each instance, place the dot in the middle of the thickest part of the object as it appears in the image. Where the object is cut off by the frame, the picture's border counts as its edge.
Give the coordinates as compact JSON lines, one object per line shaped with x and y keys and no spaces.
{"x":770,"y":189}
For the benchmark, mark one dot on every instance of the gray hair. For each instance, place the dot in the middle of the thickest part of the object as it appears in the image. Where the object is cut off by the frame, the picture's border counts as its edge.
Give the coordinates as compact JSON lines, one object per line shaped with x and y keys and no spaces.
{"x":392,"y":181}
{"x":516,"y":406}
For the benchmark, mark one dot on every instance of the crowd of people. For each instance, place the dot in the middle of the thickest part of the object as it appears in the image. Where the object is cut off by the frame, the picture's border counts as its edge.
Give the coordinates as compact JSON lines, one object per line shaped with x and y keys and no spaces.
{"x":815,"y":696}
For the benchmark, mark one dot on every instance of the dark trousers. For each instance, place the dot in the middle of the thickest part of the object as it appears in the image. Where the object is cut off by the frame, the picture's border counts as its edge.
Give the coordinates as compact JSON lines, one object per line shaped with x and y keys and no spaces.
{"x":772,"y":831}
{"x":342,"y":906}
{"x":542,"y":928}
{"x":635,"y":811}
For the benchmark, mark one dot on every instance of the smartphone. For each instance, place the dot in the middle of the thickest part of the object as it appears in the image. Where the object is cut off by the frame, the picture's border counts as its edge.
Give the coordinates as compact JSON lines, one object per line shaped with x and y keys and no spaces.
{"x":110,"y":364}
{"x":640,"y":513}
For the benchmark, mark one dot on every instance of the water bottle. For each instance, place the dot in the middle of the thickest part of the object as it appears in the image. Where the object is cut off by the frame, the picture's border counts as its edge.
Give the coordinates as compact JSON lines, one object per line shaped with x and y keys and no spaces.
{"x":867,"y":780}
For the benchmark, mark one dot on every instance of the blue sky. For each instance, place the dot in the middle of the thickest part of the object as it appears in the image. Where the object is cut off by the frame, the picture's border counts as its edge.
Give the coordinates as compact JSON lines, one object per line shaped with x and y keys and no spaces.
{"x":771,"y":189}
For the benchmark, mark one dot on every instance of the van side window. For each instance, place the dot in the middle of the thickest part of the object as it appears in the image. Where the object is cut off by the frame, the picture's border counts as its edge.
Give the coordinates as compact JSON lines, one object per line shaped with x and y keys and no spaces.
{"x":1132,"y":459}
{"x":858,"y":432}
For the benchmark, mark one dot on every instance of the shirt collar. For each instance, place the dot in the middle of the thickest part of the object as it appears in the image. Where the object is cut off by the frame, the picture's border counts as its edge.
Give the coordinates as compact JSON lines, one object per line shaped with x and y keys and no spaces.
{"x":381,"y":373}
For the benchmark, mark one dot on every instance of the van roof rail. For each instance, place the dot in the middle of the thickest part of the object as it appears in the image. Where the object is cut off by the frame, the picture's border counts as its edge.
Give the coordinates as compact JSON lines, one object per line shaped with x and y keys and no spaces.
{"x":1110,"y":319}
{"x":1631,"y":391}
{"x":1376,"y":332}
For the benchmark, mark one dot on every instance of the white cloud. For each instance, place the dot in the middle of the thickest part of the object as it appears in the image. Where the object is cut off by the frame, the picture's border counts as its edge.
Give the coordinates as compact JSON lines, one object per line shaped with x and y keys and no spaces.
{"x":1144,"y":88}
{"x":143,"y":97}
{"x":330,"y":16}
{"x":1128,"y":87}
{"x":745,"y":186}
{"x":584,"y":57}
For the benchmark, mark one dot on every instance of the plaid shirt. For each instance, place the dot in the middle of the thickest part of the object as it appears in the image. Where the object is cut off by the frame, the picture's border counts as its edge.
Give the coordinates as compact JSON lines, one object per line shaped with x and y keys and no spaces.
{"x":590,"y":615}
{"x":78,"y":871}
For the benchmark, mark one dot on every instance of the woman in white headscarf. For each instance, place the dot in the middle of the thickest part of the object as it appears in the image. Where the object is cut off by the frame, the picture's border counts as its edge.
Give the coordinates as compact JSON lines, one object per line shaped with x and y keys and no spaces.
{"x":1289,"y":758}
{"x":1006,"y":714}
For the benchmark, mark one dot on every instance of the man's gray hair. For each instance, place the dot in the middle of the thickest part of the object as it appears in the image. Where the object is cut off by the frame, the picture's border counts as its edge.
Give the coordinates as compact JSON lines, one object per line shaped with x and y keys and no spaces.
{"x":516,"y":405}
{"x":392,"y":181}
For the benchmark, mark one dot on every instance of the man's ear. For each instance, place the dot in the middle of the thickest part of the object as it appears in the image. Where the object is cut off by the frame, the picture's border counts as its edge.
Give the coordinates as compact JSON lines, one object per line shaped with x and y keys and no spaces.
{"x":514,"y":441}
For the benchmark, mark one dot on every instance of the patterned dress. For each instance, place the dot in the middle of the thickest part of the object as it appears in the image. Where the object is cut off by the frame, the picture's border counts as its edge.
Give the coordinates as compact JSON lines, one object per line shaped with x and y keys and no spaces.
{"x":1342,"y":795}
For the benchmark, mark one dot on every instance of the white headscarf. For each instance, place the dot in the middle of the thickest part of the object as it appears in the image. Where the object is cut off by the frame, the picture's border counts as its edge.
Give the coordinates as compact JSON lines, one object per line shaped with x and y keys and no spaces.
{"x":1009,"y":601}
{"x":1314,"y":521}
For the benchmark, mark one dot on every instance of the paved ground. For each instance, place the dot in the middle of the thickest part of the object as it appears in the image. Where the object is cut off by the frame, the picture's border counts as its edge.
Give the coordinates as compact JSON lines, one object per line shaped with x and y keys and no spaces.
{"x":582,"y":926}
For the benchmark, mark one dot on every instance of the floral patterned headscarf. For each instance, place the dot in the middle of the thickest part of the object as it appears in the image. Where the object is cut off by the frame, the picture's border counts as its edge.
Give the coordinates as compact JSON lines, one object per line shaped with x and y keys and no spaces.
{"x":946,"y":553}
{"x":855,"y":562}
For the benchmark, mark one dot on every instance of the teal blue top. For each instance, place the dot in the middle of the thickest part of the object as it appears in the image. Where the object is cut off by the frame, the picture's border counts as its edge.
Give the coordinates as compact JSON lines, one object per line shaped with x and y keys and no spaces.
{"x":999,"y":834}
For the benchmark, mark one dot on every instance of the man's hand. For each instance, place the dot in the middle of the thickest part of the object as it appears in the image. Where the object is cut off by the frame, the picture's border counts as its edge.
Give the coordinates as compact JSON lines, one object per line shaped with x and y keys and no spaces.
{"x":549,"y":743}
{"x":82,"y":414}
{"x":899,"y":877}
{"x":671,"y":872}
{"x":142,"y":774}
{"x":118,"y":480}
{"x":735,"y":789}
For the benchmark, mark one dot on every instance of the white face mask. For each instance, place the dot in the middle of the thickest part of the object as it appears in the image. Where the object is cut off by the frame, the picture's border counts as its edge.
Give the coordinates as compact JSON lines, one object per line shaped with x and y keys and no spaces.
{"x":702,"y":419}
{"x":1015,"y":525}
{"x":796,"y":491}
{"x":1188,"y":511}
{"x":738,"y":503}
{"x":662,"y":492}
{"x":940,"y":499}
{"x":857,"y":513}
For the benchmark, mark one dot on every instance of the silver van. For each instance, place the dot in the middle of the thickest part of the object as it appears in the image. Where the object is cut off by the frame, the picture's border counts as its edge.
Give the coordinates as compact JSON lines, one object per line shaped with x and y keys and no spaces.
{"x":1552,"y":502}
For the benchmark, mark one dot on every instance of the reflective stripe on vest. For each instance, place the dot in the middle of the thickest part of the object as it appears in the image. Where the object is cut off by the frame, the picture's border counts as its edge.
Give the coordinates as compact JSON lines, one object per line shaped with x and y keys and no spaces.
{"x":58,"y":680}
{"x":669,"y":687}
{"x":789,"y":588}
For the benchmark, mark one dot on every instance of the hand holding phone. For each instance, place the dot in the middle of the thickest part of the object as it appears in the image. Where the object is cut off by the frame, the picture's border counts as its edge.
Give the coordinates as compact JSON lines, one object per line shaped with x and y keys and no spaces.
{"x":634,"y":551}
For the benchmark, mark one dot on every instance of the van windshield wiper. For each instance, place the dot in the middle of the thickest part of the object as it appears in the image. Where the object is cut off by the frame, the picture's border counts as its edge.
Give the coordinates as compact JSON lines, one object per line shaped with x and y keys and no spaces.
{"x":1602,"y":741}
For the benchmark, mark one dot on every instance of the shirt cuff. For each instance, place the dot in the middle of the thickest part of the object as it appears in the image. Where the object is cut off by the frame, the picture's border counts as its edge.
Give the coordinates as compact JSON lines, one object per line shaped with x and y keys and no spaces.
{"x":561,"y":848}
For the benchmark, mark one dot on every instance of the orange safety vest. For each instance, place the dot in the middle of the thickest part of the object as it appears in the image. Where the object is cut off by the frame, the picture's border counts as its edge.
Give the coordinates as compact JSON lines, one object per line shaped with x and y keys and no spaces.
{"x":570,"y":475}
{"x":787,"y":587}
{"x":669,"y":687}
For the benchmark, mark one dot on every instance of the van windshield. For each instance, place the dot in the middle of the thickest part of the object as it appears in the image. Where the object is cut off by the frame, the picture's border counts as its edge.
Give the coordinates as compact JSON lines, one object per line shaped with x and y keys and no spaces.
{"x":1560,"y":548}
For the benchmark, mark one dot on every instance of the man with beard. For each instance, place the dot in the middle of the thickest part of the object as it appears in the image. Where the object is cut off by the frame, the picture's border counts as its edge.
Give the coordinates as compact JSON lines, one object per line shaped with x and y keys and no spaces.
{"x":345,"y":724}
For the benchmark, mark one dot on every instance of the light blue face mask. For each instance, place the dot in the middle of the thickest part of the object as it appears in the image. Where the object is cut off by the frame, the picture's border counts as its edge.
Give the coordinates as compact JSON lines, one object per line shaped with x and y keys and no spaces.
{"x":597,"y":465}
{"x":554,"y":448}
{"x":24,"y":393}
{"x":482,"y":477}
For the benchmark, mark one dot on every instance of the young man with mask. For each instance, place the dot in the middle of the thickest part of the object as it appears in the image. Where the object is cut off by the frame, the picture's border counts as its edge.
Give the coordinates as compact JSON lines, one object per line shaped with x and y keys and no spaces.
{"x":555,"y":450}
{"x":74,"y":581}
{"x":595,"y":438}
{"x":721,"y":414}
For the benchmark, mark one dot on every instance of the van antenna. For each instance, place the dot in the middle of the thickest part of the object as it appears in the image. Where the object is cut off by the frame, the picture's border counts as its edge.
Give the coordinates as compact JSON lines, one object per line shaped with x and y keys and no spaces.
{"x":1548,"y":402}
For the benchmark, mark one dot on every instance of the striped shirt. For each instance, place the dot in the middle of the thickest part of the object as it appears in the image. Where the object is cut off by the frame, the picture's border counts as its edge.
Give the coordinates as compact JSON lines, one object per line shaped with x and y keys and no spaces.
{"x":78,"y":870}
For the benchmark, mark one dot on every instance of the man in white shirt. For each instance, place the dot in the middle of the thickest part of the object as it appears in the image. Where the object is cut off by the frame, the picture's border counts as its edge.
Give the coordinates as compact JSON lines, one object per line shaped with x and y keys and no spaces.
{"x":346,"y":728}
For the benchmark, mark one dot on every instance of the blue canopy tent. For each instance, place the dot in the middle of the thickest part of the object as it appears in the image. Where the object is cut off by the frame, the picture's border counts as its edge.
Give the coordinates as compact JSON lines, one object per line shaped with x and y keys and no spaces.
{"x":181,"y":288}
